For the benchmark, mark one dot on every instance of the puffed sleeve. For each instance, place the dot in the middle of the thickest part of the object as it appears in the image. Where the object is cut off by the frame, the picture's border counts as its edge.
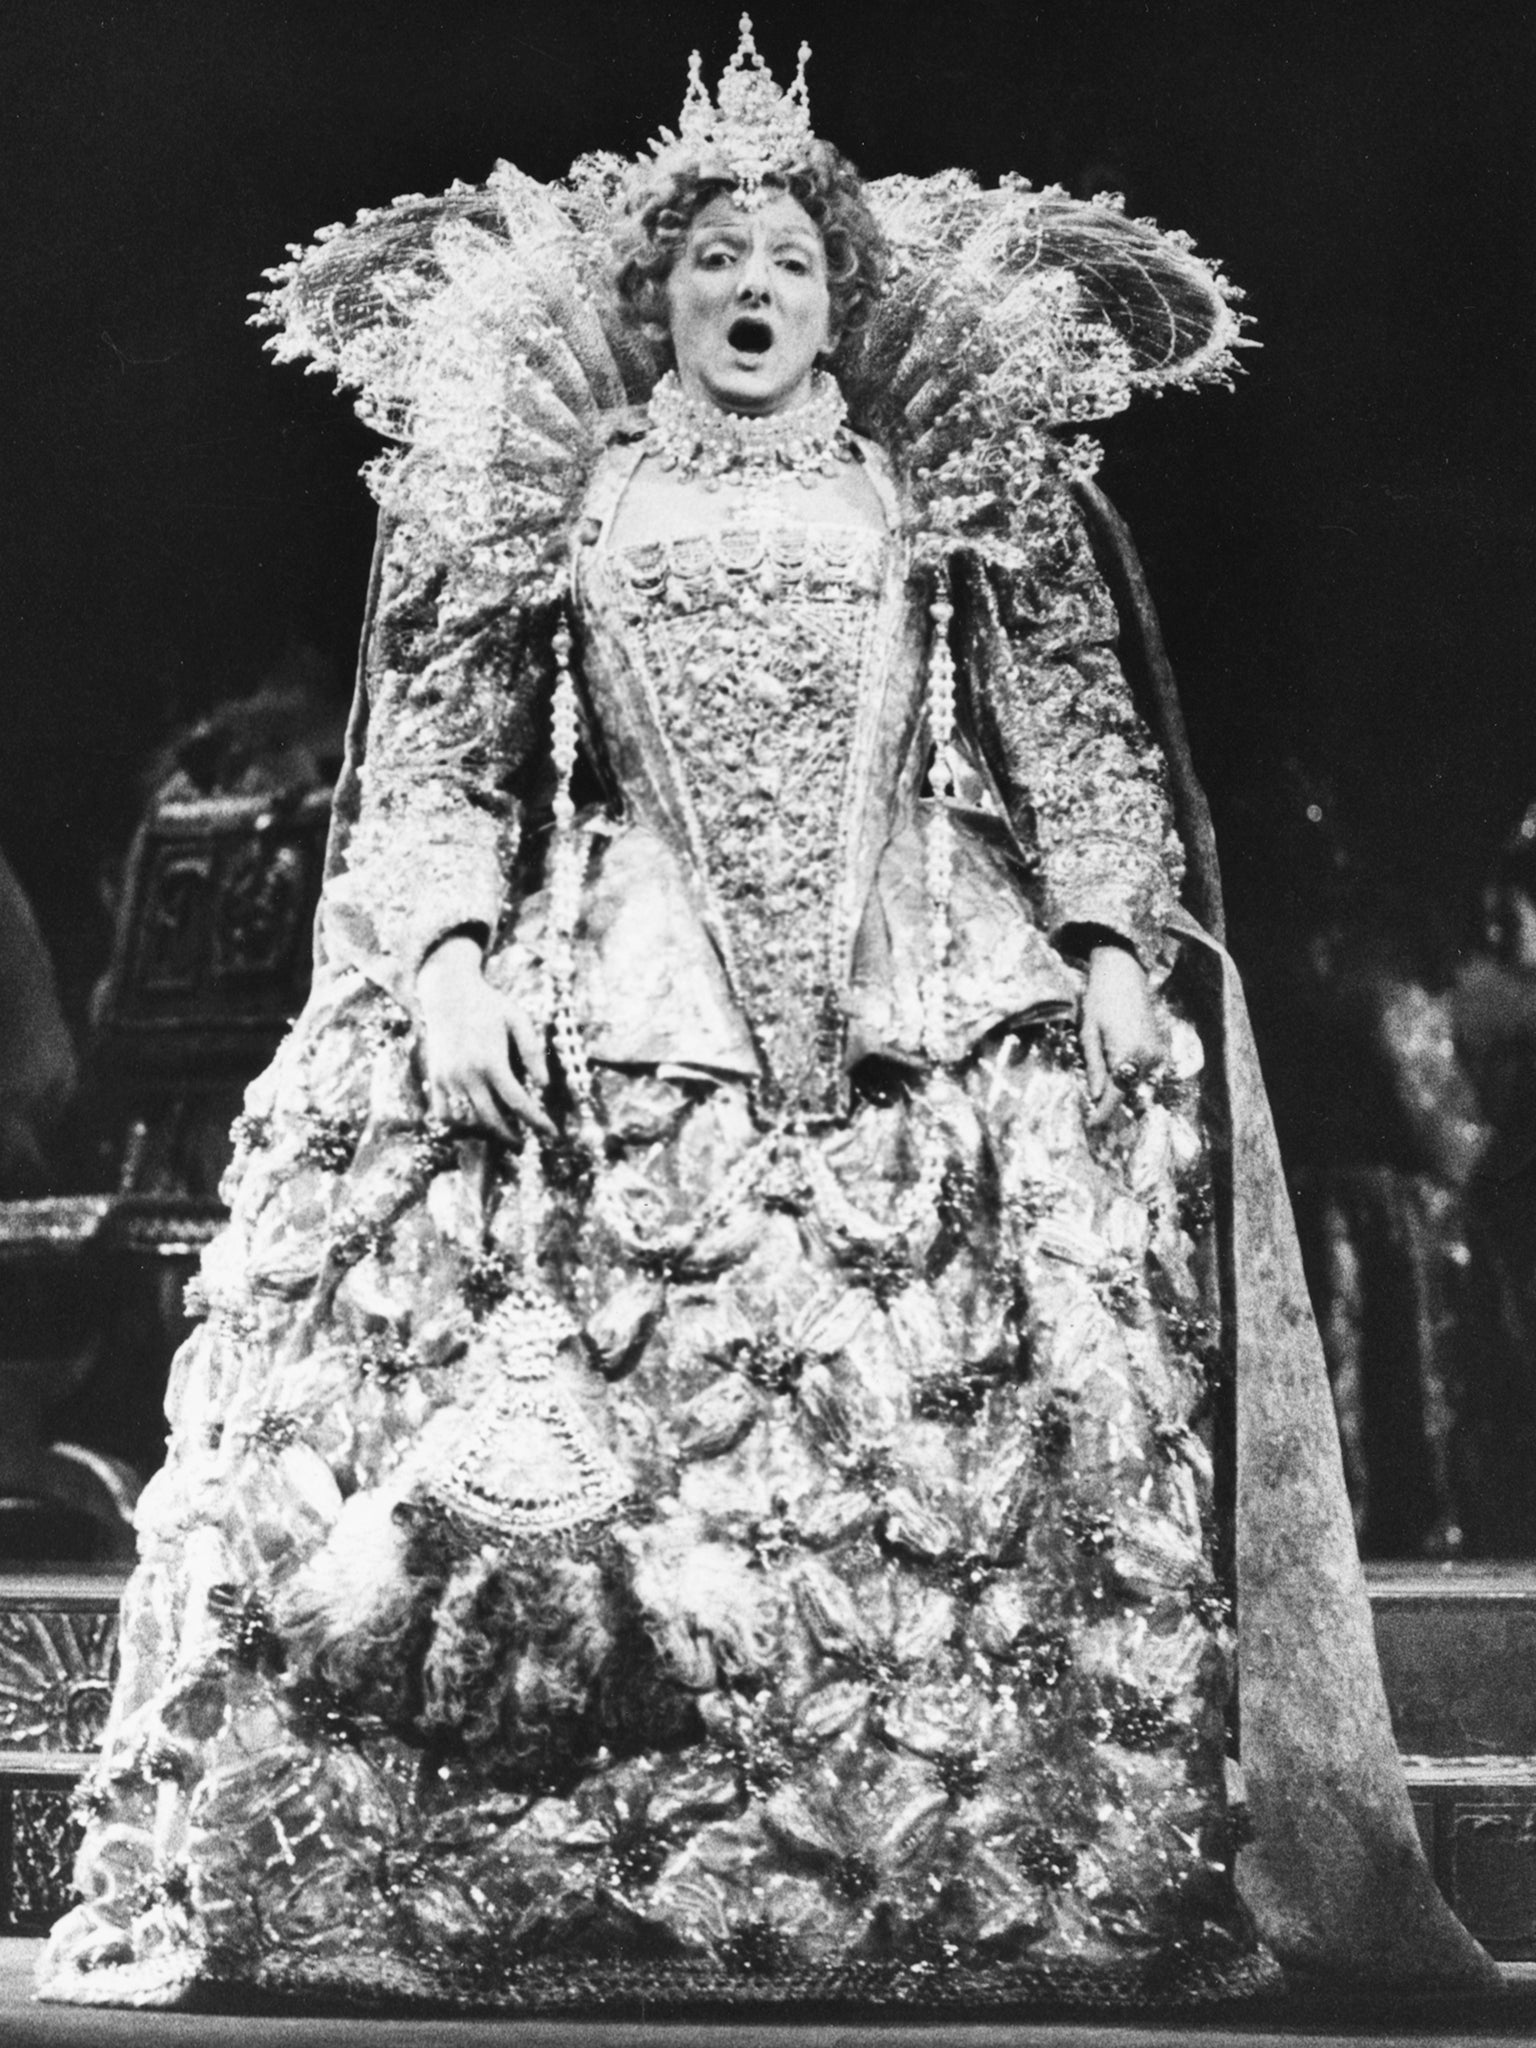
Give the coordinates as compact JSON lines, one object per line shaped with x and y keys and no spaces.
{"x":455,"y":673}
{"x":1083,"y":780}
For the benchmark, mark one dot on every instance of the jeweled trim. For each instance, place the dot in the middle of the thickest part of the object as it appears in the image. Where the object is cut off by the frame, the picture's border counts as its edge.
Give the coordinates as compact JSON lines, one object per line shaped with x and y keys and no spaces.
{"x":703,"y":442}
{"x":1165,"y":1981}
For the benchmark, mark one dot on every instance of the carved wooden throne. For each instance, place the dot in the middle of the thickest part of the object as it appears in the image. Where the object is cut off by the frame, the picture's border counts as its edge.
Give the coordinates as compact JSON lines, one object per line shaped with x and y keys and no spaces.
{"x":210,"y":960}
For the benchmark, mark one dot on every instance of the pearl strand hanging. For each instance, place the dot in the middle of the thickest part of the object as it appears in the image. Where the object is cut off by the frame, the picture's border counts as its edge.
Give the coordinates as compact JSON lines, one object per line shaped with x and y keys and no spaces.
{"x":939,"y":844}
{"x":565,"y":879}
{"x":531,"y":1323}
{"x":530,"y":1205}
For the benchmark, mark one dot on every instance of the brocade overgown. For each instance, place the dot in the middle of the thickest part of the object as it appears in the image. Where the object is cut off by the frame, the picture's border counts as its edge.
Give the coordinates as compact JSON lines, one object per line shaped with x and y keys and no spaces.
{"x":857,"y":1634}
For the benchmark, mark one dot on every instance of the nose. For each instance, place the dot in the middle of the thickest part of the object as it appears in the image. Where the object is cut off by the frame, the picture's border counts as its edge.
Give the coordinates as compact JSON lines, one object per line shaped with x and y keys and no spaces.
{"x":756,"y":279}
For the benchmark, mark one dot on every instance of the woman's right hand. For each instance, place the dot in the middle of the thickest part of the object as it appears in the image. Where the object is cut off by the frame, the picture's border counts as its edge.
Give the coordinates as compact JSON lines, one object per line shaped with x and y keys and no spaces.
{"x":470,"y":1030}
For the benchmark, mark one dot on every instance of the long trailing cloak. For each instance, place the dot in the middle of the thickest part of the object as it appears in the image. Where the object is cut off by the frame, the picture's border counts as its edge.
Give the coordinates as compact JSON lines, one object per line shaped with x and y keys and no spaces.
{"x":1335,"y":1875}
{"x":477,"y":329}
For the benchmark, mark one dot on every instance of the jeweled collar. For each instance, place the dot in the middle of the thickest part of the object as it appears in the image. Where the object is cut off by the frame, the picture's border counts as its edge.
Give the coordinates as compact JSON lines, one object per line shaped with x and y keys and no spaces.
{"x":699,"y":440}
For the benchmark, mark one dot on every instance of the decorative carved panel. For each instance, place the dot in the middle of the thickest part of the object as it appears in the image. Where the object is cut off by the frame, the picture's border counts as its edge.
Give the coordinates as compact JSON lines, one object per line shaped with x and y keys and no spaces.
{"x":44,"y":1837}
{"x":1493,"y":1870}
{"x":58,"y":1661}
{"x":214,"y":938}
{"x":56,"y":1673}
{"x":1477,"y":1821}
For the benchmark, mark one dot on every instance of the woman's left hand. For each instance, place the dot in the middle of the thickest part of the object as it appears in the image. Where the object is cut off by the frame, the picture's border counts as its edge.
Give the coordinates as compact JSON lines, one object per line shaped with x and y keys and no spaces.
{"x":1118,"y":1026}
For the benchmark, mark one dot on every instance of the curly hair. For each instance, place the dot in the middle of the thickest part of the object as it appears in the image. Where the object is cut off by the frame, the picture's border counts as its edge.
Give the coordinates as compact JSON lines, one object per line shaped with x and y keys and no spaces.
{"x":658,"y":215}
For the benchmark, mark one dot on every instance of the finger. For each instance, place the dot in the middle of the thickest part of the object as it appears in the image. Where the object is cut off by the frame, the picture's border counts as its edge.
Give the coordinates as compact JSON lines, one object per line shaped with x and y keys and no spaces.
{"x":463,"y":1112}
{"x":442,"y":1097}
{"x":1105,"y":1107}
{"x":516,"y":1098}
{"x":1102,"y":1091}
{"x":516,"y":1101}
{"x":1139,"y":1059}
{"x":523,"y":1105}
{"x":487,"y":1112}
{"x":529,"y":1040}
{"x":1094,"y":1064}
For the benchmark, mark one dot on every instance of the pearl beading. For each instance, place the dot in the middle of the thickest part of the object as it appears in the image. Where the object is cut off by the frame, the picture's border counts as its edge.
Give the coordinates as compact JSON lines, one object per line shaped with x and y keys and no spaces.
{"x":939,"y":847}
{"x":567,"y":864}
{"x":696,"y":440}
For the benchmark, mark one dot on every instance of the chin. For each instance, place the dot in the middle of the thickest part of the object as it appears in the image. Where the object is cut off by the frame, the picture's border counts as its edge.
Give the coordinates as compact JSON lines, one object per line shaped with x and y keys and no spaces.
{"x":747,"y":392}
{"x":740,"y":394}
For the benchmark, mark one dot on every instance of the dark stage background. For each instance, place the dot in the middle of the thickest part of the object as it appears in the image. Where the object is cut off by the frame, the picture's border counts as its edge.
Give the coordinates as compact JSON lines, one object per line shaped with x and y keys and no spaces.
{"x":1341,"y":549}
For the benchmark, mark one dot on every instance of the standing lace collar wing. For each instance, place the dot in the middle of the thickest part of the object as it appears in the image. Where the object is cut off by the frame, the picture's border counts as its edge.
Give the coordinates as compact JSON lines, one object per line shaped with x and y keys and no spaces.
{"x":1014,"y":317}
{"x":481,"y":335}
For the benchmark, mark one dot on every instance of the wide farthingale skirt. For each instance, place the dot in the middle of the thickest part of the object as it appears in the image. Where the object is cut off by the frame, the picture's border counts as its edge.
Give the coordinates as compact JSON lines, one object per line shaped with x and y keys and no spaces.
{"x":741,"y":1560}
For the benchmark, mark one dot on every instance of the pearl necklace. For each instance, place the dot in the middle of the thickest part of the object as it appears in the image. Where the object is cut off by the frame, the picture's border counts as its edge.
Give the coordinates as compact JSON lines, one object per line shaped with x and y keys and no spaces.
{"x":697,"y":440}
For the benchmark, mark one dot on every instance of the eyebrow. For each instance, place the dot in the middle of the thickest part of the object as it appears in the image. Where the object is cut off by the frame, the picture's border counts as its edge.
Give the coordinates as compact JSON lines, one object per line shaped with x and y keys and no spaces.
{"x":726,"y":231}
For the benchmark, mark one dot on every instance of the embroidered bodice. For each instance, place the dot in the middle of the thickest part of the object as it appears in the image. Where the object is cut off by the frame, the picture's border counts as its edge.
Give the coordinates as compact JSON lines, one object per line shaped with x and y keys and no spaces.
{"x":756,"y":672}
{"x":755,"y":644}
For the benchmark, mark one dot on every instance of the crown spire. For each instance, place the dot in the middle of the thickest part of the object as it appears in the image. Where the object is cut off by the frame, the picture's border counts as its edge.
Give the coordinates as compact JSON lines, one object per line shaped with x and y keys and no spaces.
{"x":751,"y":131}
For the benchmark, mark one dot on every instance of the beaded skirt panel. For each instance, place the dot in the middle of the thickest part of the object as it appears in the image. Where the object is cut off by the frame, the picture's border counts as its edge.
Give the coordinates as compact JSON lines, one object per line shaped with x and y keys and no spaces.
{"x":806,"y":1595}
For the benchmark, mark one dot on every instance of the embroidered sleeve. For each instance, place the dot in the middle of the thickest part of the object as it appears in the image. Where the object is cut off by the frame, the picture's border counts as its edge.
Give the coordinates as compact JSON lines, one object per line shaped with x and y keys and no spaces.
{"x":1084,"y":781}
{"x":453,"y":683}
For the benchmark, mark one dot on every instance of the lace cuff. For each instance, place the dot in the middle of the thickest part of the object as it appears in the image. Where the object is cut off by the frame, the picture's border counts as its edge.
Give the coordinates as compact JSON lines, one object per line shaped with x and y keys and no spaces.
{"x":1116,"y":886}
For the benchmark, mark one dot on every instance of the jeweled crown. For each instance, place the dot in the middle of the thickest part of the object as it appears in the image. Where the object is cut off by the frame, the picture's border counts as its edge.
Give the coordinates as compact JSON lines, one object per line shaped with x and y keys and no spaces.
{"x":751,"y":130}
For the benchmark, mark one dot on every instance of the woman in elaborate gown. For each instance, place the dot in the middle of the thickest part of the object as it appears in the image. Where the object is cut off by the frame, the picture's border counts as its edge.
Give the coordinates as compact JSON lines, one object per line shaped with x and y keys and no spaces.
{"x":691,"y":1485}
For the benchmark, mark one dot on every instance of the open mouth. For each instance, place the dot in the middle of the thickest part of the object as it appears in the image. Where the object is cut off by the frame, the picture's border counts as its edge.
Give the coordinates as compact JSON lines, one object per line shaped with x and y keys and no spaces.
{"x":750,"y":337}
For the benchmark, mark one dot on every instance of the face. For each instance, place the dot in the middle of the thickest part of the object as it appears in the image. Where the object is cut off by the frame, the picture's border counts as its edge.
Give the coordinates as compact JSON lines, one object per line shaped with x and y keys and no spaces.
{"x":748,"y":305}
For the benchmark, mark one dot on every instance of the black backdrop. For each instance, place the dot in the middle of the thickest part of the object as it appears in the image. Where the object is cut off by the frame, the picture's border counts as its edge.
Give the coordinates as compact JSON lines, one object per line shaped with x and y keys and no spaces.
{"x":1341,"y":548}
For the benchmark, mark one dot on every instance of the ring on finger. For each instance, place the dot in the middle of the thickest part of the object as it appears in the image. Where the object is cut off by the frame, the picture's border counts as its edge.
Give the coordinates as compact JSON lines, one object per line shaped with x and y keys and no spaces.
{"x":1136,"y":1072}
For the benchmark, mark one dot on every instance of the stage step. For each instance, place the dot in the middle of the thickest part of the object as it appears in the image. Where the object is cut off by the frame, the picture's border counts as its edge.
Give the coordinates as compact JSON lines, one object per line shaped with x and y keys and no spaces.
{"x":1477,"y":1821}
{"x":1458,"y":1657}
